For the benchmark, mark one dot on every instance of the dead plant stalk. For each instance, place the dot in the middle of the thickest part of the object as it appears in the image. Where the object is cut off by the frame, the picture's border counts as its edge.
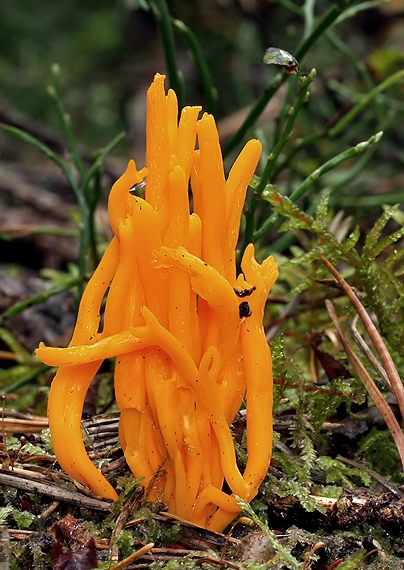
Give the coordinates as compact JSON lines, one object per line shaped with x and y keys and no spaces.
{"x":370,"y":386}
{"x":381,"y":349}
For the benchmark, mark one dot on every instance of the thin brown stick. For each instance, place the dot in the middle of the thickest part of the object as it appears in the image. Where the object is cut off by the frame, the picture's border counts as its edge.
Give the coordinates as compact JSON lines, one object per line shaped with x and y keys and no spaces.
{"x":31,"y":485}
{"x":370,"y":386}
{"x":132,"y":503}
{"x":49,"y":510}
{"x":387,"y":361}
{"x":219,"y":561}
{"x":365,"y":348}
{"x":138,"y":554}
{"x":14,"y":425}
{"x":376,"y":476}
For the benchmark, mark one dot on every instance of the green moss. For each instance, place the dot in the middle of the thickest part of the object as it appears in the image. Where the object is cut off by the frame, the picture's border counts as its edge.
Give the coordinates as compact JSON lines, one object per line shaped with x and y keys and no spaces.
{"x":125,"y":543}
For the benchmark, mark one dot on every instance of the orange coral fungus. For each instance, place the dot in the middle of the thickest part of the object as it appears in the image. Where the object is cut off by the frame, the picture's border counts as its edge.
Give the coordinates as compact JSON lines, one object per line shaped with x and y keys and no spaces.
{"x":186,"y":332}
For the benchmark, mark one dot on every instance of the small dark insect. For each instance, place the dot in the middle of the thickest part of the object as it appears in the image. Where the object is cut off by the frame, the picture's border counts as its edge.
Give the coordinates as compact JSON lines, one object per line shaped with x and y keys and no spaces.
{"x":244,"y":310}
{"x":244,"y":292}
{"x":137,"y":188}
{"x":281,"y":57}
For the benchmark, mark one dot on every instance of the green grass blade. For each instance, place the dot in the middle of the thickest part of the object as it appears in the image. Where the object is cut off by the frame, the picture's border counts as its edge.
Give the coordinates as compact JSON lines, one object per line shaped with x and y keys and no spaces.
{"x":322,"y":26}
{"x":64,"y":117}
{"x":98,"y":164}
{"x":287,"y":131}
{"x":209,"y":89}
{"x":164,"y":22}
{"x":18,"y":308}
{"x":39,"y":145}
{"x":24,"y":375}
{"x":314,"y":176}
{"x":366,"y":99}
{"x":308,"y":16}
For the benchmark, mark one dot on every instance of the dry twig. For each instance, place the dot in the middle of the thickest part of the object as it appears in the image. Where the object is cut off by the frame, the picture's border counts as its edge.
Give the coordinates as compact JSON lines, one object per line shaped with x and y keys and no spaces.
{"x":55,"y":492}
{"x":385,"y":357}
{"x":370,"y":386}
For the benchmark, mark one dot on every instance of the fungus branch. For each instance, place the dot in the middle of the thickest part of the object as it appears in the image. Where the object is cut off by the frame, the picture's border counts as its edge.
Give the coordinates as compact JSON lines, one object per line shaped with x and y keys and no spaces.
{"x":188,"y":349}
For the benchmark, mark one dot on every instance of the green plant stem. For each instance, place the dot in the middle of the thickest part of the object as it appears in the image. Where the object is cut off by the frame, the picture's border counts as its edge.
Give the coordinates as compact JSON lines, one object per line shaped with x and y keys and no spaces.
{"x":378,"y":107}
{"x":67,"y":171}
{"x":86,"y":201}
{"x":371,"y":201}
{"x":255,"y":112}
{"x":308,"y":16}
{"x":297,"y":146}
{"x":266,"y":176}
{"x":332,"y":163}
{"x":346,"y":119}
{"x":22,"y":356}
{"x":358,"y":64}
{"x":93,"y":257}
{"x":98,"y":164}
{"x":31,"y":375}
{"x":14,"y":232}
{"x":164,"y":22}
{"x":65,"y":121}
{"x":84,"y":237}
{"x":92,"y":197}
{"x":352,"y":11}
{"x":18,"y":308}
{"x":323,"y":24}
{"x":84,"y":230}
{"x":285,"y":240}
{"x":353,"y":172}
{"x":314,"y":176}
{"x":329,"y":18}
{"x":287,"y":131}
{"x":292,"y":7}
{"x":209,"y":89}
{"x":48,"y":152}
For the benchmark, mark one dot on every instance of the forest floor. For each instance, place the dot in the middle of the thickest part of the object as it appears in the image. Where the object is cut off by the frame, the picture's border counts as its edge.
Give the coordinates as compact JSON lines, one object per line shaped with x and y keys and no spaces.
{"x":53,"y":522}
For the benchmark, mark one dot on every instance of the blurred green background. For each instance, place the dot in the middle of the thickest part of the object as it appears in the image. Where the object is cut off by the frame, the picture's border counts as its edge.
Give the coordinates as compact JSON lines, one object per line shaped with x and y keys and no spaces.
{"x":108,"y":52}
